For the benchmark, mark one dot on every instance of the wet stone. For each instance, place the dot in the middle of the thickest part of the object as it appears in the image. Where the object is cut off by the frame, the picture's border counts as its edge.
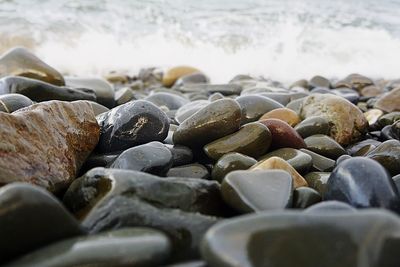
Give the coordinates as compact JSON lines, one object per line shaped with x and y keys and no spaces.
{"x":373,"y":115}
{"x":171,"y":101}
{"x":318,"y":181}
{"x":363,"y":147}
{"x":319,"y":162}
{"x":283,"y":135}
{"x":217,"y":119}
{"x":259,"y":190}
{"x":325,"y":146}
{"x":355,"y":81}
{"x":254,"y":106}
{"x":12,"y":102}
{"x":134,"y":123}
{"x":362,"y":183}
{"x":231,"y":162}
{"x":123,"y":247}
{"x":27,"y":211}
{"x":301,"y":161}
{"x":252,"y":139}
{"x":284,"y":114}
{"x":312,"y":126}
{"x":304,"y":197}
{"x":153,"y":157}
{"x":98,"y":108}
{"x":389,"y":102}
{"x":195,"y":170}
{"x":388,"y":155}
{"x":181,"y":155}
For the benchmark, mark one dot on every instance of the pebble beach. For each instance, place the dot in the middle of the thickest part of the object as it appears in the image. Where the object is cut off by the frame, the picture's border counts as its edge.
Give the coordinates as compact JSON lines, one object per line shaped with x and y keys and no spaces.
{"x":166,"y":168}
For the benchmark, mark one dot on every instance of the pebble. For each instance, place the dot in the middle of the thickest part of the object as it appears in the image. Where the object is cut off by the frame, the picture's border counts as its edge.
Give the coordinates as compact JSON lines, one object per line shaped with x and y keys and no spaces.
{"x":284,"y":114}
{"x":319,"y":162}
{"x":319,"y":81}
{"x":189,"y":171}
{"x":254,"y":106}
{"x":175,"y":73}
{"x":299,"y":160}
{"x":313,"y":125}
{"x":171,"y":101}
{"x":388,"y":155}
{"x":325,"y":146}
{"x":231,"y":162}
{"x":304,"y":197}
{"x":389,"y":101}
{"x":13,"y":102}
{"x":283,"y":135}
{"x":318,"y":181}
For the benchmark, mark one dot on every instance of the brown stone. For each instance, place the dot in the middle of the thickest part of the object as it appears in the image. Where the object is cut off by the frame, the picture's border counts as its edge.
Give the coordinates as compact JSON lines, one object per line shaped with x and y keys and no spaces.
{"x":173,"y":74}
{"x":284,"y":114}
{"x":21,"y":62}
{"x":390,"y":101}
{"x":276,"y":163}
{"x":46,"y":144}
{"x":347,"y":122}
{"x":354,"y":81}
{"x":371,"y":91}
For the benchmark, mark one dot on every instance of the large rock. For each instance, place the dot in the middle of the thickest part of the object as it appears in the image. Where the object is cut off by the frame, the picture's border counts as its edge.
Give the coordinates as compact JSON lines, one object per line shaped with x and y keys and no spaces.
{"x":21,"y":62}
{"x":30,"y":217}
{"x":389,"y":102}
{"x":347,"y":121}
{"x":46,"y":144}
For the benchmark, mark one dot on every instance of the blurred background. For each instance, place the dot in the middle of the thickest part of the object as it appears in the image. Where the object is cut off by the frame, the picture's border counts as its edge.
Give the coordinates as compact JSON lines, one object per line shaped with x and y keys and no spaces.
{"x":279,"y":39}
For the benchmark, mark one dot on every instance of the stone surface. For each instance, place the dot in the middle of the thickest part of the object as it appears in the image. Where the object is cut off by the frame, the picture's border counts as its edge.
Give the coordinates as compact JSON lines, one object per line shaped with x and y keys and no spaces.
{"x":355,"y":81}
{"x":224,"y":89}
{"x":325,"y":146}
{"x":392,"y":131}
{"x":153,"y":157}
{"x":173,"y":74}
{"x":259,"y":190}
{"x":299,"y":160}
{"x":46,"y":144}
{"x":231,"y":162}
{"x":131,"y":124}
{"x":171,"y":101}
{"x":276,"y":163}
{"x":213,"y":121}
{"x":253,"y":139}
{"x":254,"y":106}
{"x":189,"y":171}
{"x":362,"y":183}
{"x":284,"y":114}
{"x":304,"y":197}
{"x":283,"y":135}
{"x":319,"y":81}
{"x":181,"y":155}
{"x":123,"y":247}
{"x":330,"y":206}
{"x":389,"y":118}
{"x":318,"y":181}
{"x":389,"y":102}
{"x":106,"y":199}
{"x":313,"y":125}
{"x":20,"y":62}
{"x":363,"y":147}
{"x":347,"y":122}
{"x":189,"y":109}
{"x":388,"y":155}
{"x":32,"y":215}
{"x":373,"y":115}
{"x":319,"y":162}
{"x":12,"y":102}
{"x":40,"y":91}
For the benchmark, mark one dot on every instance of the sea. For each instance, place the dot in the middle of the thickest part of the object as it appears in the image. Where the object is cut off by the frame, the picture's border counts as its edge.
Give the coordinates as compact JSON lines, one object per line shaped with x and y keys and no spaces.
{"x":284,"y":40}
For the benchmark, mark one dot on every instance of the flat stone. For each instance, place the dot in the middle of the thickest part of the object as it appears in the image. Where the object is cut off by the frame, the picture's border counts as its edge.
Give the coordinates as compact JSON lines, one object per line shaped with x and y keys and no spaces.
{"x":213,"y":121}
{"x":318,"y":181}
{"x":20,"y":62}
{"x":40,"y":91}
{"x":313,"y":125}
{"x":12,"y":102}
{"x":153,"y":157}
{"x":123,"y":247}
{"x":195,"y":170}
{"x":284,"y":114}
{"x":319,"y":162}
{"x":47,"y":143}
{"x":278,"y":239}
{"x":194,"y":78}
{"x":389,"y":102}
{"x":134,"y":123}
{"x":276,"y":163}
{"x":388,"y":155}
{"x":362,"y":183}
{"x":231,"y":162}
{"x":347,"y":122}
{"x":106,"y":199}
{"x":325,"y":146}
{"x":27,"y":211}
{"x":283,"y":135}
{"x":299,"y":160}
{"x":259,"y":190}
{"x":252,"y":139}
{"x":254,"y":106}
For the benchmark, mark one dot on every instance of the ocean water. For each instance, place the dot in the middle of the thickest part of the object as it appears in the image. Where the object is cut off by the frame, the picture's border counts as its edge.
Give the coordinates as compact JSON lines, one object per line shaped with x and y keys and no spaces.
{"x":279,"y":39}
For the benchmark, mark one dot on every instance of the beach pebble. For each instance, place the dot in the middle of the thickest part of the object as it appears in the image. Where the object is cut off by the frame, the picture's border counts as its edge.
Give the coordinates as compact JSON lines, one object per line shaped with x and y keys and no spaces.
{"x":283,"y":135}
{"x":194,"y":170}
{"x":231,"y":162}
{"x":389,"y":102}
{"x":304,"y":197}
{"x":284,"y":114}
{"x":317,"y":181}
{"x":299,"y":160}
{"x":388,"y":155}
{"x":319,"y":81}
{"x":171,"y":101}
{"x":173,"y":74}
{"x":12,"y":102}
{"x":325,"y":146}
{"x":254,"y":106}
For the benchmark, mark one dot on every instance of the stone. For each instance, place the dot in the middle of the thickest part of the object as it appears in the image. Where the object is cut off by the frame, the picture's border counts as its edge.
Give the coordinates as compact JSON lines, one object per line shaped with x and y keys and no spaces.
{"x":104,"y":91}
{"x":224,"y":89}
{"x":373,"y":115}
{"x":282,"y":239}
{"x":47,"y":143}
{"x":355,"y":81}
{"x":189,"y":109}
{"x":194,"y":78}
{"x":253,"y":139}
{"x":189,"y":264}
{"x":347,"y":122}
{"x":99,"y":160}
{"x":181,"y":155}
{"x":319,"y":162}
{"x":13,"y":102}
{"x":20,"y":62}
{"x":276,"y":163}
{"x":134,"y":123}
{"x":254,"y":106}
{"x":259,"y":190}
{"x":40,"y":91}
{"x":362,"y":183}
{"x":124,"y":95}
{"x":173,"y":74}
{"x":299,"y":160}
{"x":304,"y":197}
{"x":98,"y":108}
{"x":392,"y":131}
{"x":325,"y":146}
{"x":330,"y":206}
{"x":371,"y":91}
{"x":215,"y":97}
{"x":231,"y":162}
{"x":363,"y":147}
{"x":319,"y":81}
{"x":389,"y":102}
{"x":388,"y":155}
{"x":153,"y":157}
{"x":318,"y":181}
{"x":171,"y":101}
{"x":300,"y":83}
{"x":283,"y":135}
{"x":195,"y":170}
{"x":217,"y":119}
{"x":313,"y":125}
{"x":106,"y":199}
{"x":27,"y":211}
{"x":284,"y":114}
{"x":389,"y":119}
{"x":117,"y":78}
{"x":123,"y":247}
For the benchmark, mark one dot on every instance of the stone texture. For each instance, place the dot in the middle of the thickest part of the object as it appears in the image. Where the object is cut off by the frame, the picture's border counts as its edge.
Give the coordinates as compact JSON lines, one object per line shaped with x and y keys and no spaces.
{"x":348,"y":123}
{"x":284,"y":114}
{"x":389,"y":102}
{"x":46,"y":144}
{"x":12,"y":102}
{"x":173,"y":74}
